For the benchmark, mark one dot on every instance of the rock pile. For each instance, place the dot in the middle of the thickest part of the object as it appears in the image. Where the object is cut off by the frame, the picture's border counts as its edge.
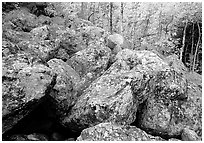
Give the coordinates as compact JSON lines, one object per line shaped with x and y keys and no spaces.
{"x":65,"y":79}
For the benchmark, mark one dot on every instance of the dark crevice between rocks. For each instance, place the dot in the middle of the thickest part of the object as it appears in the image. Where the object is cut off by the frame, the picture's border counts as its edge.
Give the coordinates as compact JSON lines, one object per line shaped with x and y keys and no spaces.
{"x":43,"y":119}
{"x":152,"y":132}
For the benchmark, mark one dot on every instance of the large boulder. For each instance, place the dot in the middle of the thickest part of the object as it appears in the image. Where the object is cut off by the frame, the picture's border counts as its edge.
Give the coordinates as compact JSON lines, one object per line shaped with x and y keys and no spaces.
{"x":90,"y":63}
{"x":92,"y":34}
{"x":189,"y":135}
{"x":137,"y":78}
{"x":16,"y":36}
{"x":176,"y":64}
{"x":114,"y":132}
{"x":114,"y":96}
{"x":65,"y":88}
{"x":109,"y":98}
{"x":23,"y":87}
{"x":22,"y":19}
{"x":168,"y":113}
{"x":36,"y":51}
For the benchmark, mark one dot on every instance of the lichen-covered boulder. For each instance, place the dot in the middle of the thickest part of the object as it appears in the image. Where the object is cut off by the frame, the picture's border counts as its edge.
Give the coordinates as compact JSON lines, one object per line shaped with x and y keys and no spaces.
{"x":8,"y":48}
{"x":36,"y":51}
{"x":40,"y":33}
{"x":114,"y":132}
{"x":162,"y":112}
{"x":22,"y":19}
{"x":176,"y":64}
{"x":174,"y":105}
{"x":90,"y":63}
{"x":43,"y":20}
{"x":22,"y":88}
{"x":189,"y":135}
{"x":116,"y":95}
{"x":92,"y":34}
{"x":58,"y":20}
{"x":109,"y":98}
{"x":16,"y":36}
{"x":67,"y":82}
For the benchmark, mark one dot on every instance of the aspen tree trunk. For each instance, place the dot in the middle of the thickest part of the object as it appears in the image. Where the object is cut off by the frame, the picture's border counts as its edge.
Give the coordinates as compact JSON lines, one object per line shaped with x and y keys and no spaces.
{"x":121,"y":12}
{"x":83,"y":13}
{"x":197,"y":46}
{"x":192,"y":47}
{"x":183,"y":41}
{"x":111,"y":17}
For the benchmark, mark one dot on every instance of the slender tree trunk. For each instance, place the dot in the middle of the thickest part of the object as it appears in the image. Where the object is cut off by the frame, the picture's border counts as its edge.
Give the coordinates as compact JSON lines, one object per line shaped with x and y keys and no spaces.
{"x":83,"y":13}
{"x":160,"y":26}
{"x":191,"y":55}
{"x":196,"y":51}
{"x":183,"y":41}
{"x":93,"y":19}
{"x":121,"y":12}
{"x":111,"y":17}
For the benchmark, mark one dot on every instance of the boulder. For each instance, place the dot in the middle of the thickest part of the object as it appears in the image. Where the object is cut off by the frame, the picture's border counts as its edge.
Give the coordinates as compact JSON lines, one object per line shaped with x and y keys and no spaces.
{"x":44,"y":20}
{"x":90,"y":63}
{"x":176,"y":64}
{"x":40,"y":33}
{"x":189,"y":135}
{"x":114,"y":40}
{"x":23,"y":87}
{"x":92,"y":59}
{"x":114,"y":132}
{"x":67,"y":82}
{"x":92,"y":34}
{"x":115,"y":43}
{"x":36,"y":51}
{"x":175,"y":105}
{"x":16,"y":36}
{"x":58,"y":20}
{"x":22,"y":19}
{"x":116,"y":94}
{"x":8,"y":48}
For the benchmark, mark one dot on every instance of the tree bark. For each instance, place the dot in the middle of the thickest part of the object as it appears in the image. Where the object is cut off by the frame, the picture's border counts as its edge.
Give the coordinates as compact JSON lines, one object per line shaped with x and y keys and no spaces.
{"x":192,"y":47}
{"x":83,"y":10}
{"x":111,"y":17}
{"x":183,"y":41}
{"x":194,"y":61}
{"x":121,"y":12}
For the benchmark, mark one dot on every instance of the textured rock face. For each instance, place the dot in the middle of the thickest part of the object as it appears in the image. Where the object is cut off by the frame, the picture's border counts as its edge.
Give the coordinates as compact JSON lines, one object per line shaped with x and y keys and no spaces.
{"x":107,"y":99}
{"x":22,"y":88}
{"x":163,"y":111}
{"x":67,"y":82}
{"x":113,"y":40}
{"x":62,"y":76}
{"x":114,"y":132}
{"x":90,"y":63}
{"x":40,"y":33}
{"x":93,"y":59}
{"x":115,"y":95}
{"x":189,"y":135}
{"x":22,"y":19}
{"x":92,"y":34}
